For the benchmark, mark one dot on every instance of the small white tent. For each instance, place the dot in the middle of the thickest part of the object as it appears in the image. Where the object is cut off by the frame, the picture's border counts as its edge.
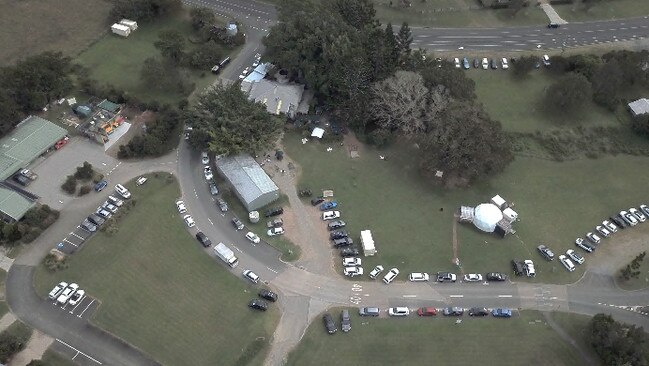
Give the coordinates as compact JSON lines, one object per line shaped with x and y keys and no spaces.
{"x":368,"y":243}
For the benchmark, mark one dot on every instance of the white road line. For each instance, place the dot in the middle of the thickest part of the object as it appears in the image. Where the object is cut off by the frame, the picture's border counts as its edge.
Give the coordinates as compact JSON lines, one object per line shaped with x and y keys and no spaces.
{"x":272,"y":270}
{"x":239,"y":250}
{"x":80,"y":237}
{"x":455,"y":295}
{"x":75,"y":308}
{"x":60,"y":341}
{"x":409,"y":295}
{"x":210,"y":220}
{"x":84,"y":310}
{"x":470,"y":37}
{"x":66,"y":240}
{"x":504,"y":295}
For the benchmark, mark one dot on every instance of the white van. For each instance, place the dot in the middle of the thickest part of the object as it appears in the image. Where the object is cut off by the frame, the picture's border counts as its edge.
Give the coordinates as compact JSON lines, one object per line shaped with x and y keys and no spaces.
{"x":122,"y":191}
{"x":567,"y":263}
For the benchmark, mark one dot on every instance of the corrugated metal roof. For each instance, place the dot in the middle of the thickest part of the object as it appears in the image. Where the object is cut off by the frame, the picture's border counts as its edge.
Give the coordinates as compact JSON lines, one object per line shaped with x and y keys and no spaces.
{"x":107,"y":105}
{"x":14,"y":205}
{"x":247,"y":177}
{"x":640,"y":106}
{"x":32,"y":137}
{"x":278,"y":98}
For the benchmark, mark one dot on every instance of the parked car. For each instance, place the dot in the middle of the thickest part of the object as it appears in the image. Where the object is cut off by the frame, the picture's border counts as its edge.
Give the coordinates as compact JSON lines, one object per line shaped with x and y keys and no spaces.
{"x":103,"y":212}
{"x":465,"y":63}
{"x":343,"y":242}
{"x":207,"y":172}
{"x":376,"y":271}
{"x":485,"y":63}
{"x":101,"y":185}
{"x":258,"y":304}
{"x":237,"y":223}
{"x":644,"y":209}
{"x":349,"y":252}
{"x":504,"y":63}
{"x":593,"y":237}
{"x":316,"y":201}
{"x":553,"y":25}
{"x":369,"y":311}
{"x":567,"y":263}
{"x":122,"y":191}
{"x":214,"y":190}
{"x":478,"y":312}
{"x":518,"y":267}
{"x":630,"y":219}
{"x":57,"y":290}
{"x":275,"y":231}
{"x":252,"y":237}
{"x":446,"y":277}
{"x":274,"y":212}
{"x":603,"y":231}
{"x":330,"y":215}
{"x":576,"y":257}
{"x":339,"y":234}
{"x":268,"y":295}
{"x":472,"y":277}
{"x":419,"y":277}
{"x":96,"y":219}
{"x":109,"y":207}
{"x":78,"y":297}
{"x":88,"y":226}
{"x":638,"y":214}
{"x":496,"y":276}
{"x":203,"y":239}
{"x":476,"y":63}
{"x":502,"y":313}
{"x":250,"y":275}
{"x":426,"y":311}
{"x":352,"y":262}
{"x":115,"y":201}
{"x":180,"y":205}
{"x":453,"y":311}
{"x":67,"y":293}
{"x":274,"y":223}
{"x":223,"y":206}
{"x":336,"y":224}
{"x":189,"y":220}
{"x":353,"y":271}
{"x":140,"y":181}
{"x":580,"y":242}
{"x":619,"y":221}
{"x":529,"y":268}
{"x":205,"y":159}
{"x":546,"y":60}
{"x":494,"y":64}
{"x":456,"y":61}
{"x":399,"y":311}
{"x":391,"y":275}
{"x":610,"y":226}
{"x":326,"y":206}
{"x":546,"y":252}
{"x":345,"y":321}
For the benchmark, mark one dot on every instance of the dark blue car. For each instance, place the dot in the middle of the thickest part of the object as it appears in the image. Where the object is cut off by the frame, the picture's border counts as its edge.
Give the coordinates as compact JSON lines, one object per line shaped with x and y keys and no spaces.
{"x":502,"y":313}
{"x":101,"y":185}
{"x":328,"y":205}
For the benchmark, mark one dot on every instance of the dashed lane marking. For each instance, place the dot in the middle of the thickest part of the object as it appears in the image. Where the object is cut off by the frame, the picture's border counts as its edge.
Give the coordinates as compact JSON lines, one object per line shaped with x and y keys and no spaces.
{"x":455,"y":295}
{"x":409,"y":296}
{"x":504,"y":296}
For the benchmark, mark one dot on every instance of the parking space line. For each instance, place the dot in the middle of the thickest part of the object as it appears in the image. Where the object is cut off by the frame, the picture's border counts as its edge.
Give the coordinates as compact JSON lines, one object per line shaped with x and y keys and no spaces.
{"x":504,"y":295}
{"x":272,"y":270}
{"x":84,"y":310}
{"x":80,"y":237}
{"x":210,"y":220}
{"x":89,"y":357}
{"x":75,"y":308}
{"x":66,"y":240}
{"x":455,"y":295}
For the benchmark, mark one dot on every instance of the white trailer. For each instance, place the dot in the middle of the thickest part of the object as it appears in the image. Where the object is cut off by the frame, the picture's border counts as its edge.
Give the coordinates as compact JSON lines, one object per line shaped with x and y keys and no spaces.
{"x":368,"y":243}
{"x":129,"y":23}
{"x":120,"y":29}
{"x":226,"y":254}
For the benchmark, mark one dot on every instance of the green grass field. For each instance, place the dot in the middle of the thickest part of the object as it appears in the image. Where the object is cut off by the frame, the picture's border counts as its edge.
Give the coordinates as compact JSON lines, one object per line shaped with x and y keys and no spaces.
{"x":51,"y":358}
{"x":419,"y":341}
{"x":157,"y":287}
{"x":635,"y":283}
{"x":617,"y":9}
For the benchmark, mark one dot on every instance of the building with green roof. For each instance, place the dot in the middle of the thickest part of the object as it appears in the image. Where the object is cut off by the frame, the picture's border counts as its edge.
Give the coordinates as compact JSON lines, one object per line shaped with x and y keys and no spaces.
{"x":13,"y":205}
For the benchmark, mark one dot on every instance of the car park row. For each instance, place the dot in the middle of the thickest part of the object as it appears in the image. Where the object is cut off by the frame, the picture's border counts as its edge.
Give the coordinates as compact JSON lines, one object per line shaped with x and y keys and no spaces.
{"x":494,"y":63}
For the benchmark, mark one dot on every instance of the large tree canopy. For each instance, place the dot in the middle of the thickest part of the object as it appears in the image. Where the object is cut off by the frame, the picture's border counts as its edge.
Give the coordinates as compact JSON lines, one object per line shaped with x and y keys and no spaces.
{"x":226,"y":122}
{"x":617,"y":343}
{"x":568,"y":95}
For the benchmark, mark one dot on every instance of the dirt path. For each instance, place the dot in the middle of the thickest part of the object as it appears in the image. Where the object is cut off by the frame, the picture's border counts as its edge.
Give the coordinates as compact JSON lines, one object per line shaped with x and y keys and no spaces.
{"x":566,"y":337}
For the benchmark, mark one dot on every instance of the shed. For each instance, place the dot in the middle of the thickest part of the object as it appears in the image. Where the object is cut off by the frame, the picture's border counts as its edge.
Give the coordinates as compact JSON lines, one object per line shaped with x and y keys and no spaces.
{"x":499,"y":201}
{"x":639,"y":107}
{"x":132,"y":24}
{"x":510,"y":214}
{"x":109,"y":106}
{"x":368,"y":243}
{"x":251,"y":184}
{"x":120,"y":29}
{"x":317,"y":132}
{"x":83,"y":110}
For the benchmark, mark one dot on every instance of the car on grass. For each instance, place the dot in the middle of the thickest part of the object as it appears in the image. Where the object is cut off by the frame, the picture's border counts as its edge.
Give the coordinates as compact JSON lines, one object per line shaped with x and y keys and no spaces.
{"x":326,"y":206}
{"x":189,"y":220}
{"x":352,"y":262}
{"x":345,"y":321}
{"x":67,"y":293}
{"x":518,"y":267}
{"x":476,"y":63}
{"x":473,"y":277}
{"x":140,"y":181}
{"x":275,"y":211}
{"x":214,"y":190}
{"x":504,"y":63}
{"x":376,"y":271}
{"x":339,"y":234}
{"x":349,"y":252}
{"x":496,"y":276}
{"x":268,"y":295}
{"x":57,"y":290}
{"x":530,"y":271}
{"x":205,"y":158}
{"x":453,"y":311}
{"x":343,"y":242}
{"x":238,"y":225}
{"x":593,"y":237}
{"x":252,"y":237}
{"x":644,"y":209}
{"x":465,"y":63}
{"x":275,"y":223}
{"x":567,"y":263}
{"x":316,"y":201}
{"x":329,"y":324}
{"x":478,"y":312}
{"x":101,"y":185}
{"x":122,"y":191}
{"x":629,"y":218}
{"x":390,"y":276}
{"x":258,"y":304}
{"x":369,"y":311}
{"x":619,"y":221}
{"x":456,"y":62}
{"x":275,"y":231}
{"x":545,"y":252}
{"x":446,"y":277}
{"x":330,"y":215}
{"x":77,"y":297}
{"x":203,"y":239}
{"x":88,"y":226}
{"x":96,"y":219}
{"x":546,"y":60}
{"x":353,"y":271}
{"x":494,"y":64}
{"x":427,"y":311}
{"x":250,"y":275}
{"x":103,"y":212}
{"x":485,"y":63}
{"x":115,"y":201}
{"x":580,"y":242}
{"x":638,"y":214}
{"x":576,"y":257}
{"x":399,"y":311}
{"x":418,"y":277}
{"x":207,"y":172}
{"x":502,"y":313}
{"x":335,"y":225}
{"x":180,"y":205}
{"x":602,"y":231}
{"x":610,"y":226}
{"x":109,"y":207}
{"x":223,"y":206}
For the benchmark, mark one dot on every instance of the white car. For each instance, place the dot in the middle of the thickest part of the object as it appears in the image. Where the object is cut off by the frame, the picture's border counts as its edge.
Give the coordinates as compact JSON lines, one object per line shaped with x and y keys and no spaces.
{"x":630,"y":219}
{"x":546,"y":60}
{"x":109,"y":207}
{"x":576,"y":257}
{"x":603,"y":231}
{"x":77,"y":297}
{"x":593,"y":237}
{"x":251,"y":276}
{"x":275,"y":231}
{"x":205,"y":159}
{"x":353,"y":271}
{"x":610,"y":226}
{"x":376,"y":271}
{"x":207,"y":171}
{"x":485,"y":63}
{"x":399,"y":311}
{"x":56,"y":291}
{"x":181,"y":207}
{"x":391,"y":275}
{"x":644,"y":209}
{"x":115,"y":201}
{"x":352,"y":262}
{"x":330,"y":215}
{"x":255,"y":64}
{"x":122,"y":191}
{"x":189,"y":220}
{"x":529,"y":268}
{"x":473,"y":277}
{"x":456,"y":61}
{"x":638,"y":215}
{"x":504,"y":63}
{"x":252,"y":237}
{"x":419,"y":277}
{"x":566,"y":263}
{"x":140,"y":181}
{"x":67,"y":293}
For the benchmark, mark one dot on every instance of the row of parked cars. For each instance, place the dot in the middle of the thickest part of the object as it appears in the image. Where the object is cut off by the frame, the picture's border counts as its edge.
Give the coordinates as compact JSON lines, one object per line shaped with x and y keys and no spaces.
{"x":65,"y":293}
{"x":494,"y":63}
{"x":105,"y":210}
{"x":352,"y":265}
{"x":440,"y":276}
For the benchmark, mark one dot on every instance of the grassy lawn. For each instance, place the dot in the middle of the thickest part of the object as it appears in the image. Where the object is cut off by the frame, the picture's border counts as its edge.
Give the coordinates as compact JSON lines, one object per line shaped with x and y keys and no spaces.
{"x":617,"y":9}
{"x":157,"y":287}
{"x":417,"y":341}
{"x":575,"y":325}
{"x":51,"y":358}
{"x":635,"y":283}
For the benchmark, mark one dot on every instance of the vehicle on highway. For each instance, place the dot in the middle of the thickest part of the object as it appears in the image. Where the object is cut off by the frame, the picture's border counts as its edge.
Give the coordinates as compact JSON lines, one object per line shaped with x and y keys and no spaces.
{"x":252,"y":237}
{"x":376,"y":271}
{"x":602,"y":231}
{"x":88,"y":226}
{"x":345,"y":321}
{"x":268,"y":295}
{"x":329,"y":324}
{"x":339,"y":234}
{"x":473,"y":277}
{"x":593,"y":238}
{"x":275,"y":231}
{"x":316,"y":201}
{"x":205,"y":159}
{"x":427,"y":311}
{"x":57,"y":290}
{"x":353,"y":271}
{"x":453,"y":311}
{"x":330,"y":215}
{"x":77,"y":297}
{"x":274,"y":212}
{"x":275,"y":223}
{"x":223,"y":206}
{"x":189,"y":220}
{"x":352,"y":262}
{"x":496,"y":276}
{"x":546,"y":252}
{"x":180,"y":205}
{"x":67,"y":293}
{"x":638,"y":214}
{"x":258,"y":304}
{"x":502,"y":313}
{"x":343,"y":242}
{"x":446,"y":277}
{"x":207,"y":172}
{"x":336,"y":224}
{"x":101,"y":185}
{"x":478,"y":312}
{"x":214,"y":190}
{"x":115,"y":201}
{"x":399,"y":311}
{"x":610,"y":226}
{"x":250,"y":275}
{"x":122,"y":191}
{"x":349,"y":252}
{"x":203,"y":239}
{"x":369,"y":311}
{"x":580,"y":242}
{"x":529,"y":268}
{"x":567,"y":263}
{"x":326,"y":206}
{"x":391,"y":275}
{"x":485,"y":63}
{"x":418,"y":277}
{"x":237,"y":223}
{"x":576,"y":257}
{"x":504,"y":63}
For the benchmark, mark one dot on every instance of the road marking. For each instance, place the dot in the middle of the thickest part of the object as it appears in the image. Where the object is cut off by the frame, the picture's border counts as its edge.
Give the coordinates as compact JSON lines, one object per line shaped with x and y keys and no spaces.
{"x":272,"y":270}
{"x":80,"y":237}
{"x":75,"y":308}
{"x":409,"y":295}
{"x":504,"y":295}
{"x":210,"y":220}
{"x":455,"y":295}
{"x":84,"y":310}
{"x":239,"y":250}
{"x":60,"y":341}
{"x":66,"y":240}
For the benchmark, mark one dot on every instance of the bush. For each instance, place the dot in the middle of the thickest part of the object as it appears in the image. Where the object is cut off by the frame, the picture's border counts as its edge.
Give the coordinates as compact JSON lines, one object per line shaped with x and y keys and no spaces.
{"x":13,"y":340}
{"x":85,"y":171}
{"x":54,"y":263}
{"x":380,"y":137}
{"x":84,"y":190}
{"x":31,"y":235}
{"x":70,"y":184}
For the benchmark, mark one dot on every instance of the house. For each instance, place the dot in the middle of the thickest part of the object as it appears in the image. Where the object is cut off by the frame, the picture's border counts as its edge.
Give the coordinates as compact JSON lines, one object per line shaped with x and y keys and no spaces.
{"x":639,"y":107}
{"x":251,"y":184}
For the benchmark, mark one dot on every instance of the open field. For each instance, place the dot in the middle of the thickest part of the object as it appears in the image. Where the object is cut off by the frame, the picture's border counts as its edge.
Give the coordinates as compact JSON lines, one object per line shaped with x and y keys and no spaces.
{"x":635,"y":283}
{"x":417,"y":341}
{"x":51,"y":358}
{"x":618,"y":9}
{"x":33,"y":26}
{"x":575,"y":325}
{"x":157,"y":286}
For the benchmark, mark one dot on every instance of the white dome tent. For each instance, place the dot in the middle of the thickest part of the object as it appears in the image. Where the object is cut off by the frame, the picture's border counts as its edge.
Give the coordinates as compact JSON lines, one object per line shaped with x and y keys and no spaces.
{"x":487,"y":216}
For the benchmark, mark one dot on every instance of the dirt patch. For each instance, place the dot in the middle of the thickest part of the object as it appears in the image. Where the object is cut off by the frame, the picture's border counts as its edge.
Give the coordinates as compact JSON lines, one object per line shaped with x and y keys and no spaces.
{"x":36,"y":347}
{"x":618,"y":250}
{"x":137,"y":120}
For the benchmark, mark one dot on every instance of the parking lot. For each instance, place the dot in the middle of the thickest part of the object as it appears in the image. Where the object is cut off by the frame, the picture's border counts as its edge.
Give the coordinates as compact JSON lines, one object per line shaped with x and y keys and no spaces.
{"x":73,"y":241}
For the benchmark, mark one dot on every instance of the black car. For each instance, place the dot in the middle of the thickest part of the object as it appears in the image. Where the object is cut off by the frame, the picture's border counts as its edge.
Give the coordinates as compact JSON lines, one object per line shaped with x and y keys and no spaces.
{"x":478,"y":312}
{"x":203,"y":239}
{"x":545,"y":252}
{"x":476,"y":63}
{"x":453,"y":311}
{"x":343,"y":242}
{"x":237,"y":223}
{"x":274,"y":212}
{"x":518,"y":267}
{"x":338,"y":234}
{"x":494,"y":64}
{"x":619,"y":221}
{"x":268,"y":295}
{"x":258,"y":304}
{"x":349,"y":252}
{"x":496,"y":276}
{"x":22,"y":180}
{"x":553,"y":25}
{"x":446,"y":276}
{"x":336,"y":224}
{"x":329,"y":323}
{"x":96,"y":219}
{"x":223,"y":206}
{"x":317,"y":201}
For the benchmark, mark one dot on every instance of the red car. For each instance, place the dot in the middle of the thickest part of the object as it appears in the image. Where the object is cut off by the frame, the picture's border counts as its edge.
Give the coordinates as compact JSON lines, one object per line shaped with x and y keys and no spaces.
{"x":427,"y":312}
{"x":59,"y":144}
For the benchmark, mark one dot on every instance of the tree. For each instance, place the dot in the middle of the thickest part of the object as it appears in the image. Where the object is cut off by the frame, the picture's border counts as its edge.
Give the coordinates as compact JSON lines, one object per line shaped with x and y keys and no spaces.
{"x":516,"y":5}
{"x":143,"y":9}
{"x":455,"y":80}
{"x":522,"y":67}
{"x":357,"y":13}
{"x":201,"y":17}
{"x":163,"y":76}
{"x":568,"y":96}
{"x":206,"y":56}
{"x":171,"y":45}
{"x":404,"y":39}
{"x":9,"y":111}
{"x":85,"y":171}
{"x":10,"y":344}
{"x":617,"y":343}
{"x":232,"y":124}
{"x":607,"y":84}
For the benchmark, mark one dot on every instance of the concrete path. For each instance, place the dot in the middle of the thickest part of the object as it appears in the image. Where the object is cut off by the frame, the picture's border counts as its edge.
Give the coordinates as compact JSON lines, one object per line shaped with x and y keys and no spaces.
{"x":38,"y":343}
{"x":5,"y":262}
{"x":6,"y":320}
{"x":552,"y":14}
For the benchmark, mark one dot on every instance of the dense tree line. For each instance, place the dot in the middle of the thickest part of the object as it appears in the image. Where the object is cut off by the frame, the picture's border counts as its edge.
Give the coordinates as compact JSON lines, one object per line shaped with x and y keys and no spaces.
{"x":143,"y":10}
{"x":617,"y":343}
{"x":157,"y":137}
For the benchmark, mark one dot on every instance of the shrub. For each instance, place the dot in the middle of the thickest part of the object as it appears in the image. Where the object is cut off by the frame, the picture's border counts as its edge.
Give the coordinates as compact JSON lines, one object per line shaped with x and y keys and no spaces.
{"x":84,"y":190}
{"x":31,"y":235}
{"x":54,"y":263}
{"x":13,"y":341}
{"x":70,"y":184}
{"x":380,"y":137}
{"x":85,"y":171}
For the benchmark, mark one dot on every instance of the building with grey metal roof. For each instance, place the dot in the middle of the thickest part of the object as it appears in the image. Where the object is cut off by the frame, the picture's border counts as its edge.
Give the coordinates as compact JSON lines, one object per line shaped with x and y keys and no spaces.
{"x":277,"y":97}
{"x":251,"y":184}
{"x":639,"y":107}
{"x":13,"y":205}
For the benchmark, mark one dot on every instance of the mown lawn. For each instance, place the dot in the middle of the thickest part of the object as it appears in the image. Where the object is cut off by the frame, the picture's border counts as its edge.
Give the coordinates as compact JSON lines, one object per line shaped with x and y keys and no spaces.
{"x":158,"y":287}
{"x":617,"y":9}
{"x":51,"y":358}
{"x":521,"y":340}
{"x":635,"y":283}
